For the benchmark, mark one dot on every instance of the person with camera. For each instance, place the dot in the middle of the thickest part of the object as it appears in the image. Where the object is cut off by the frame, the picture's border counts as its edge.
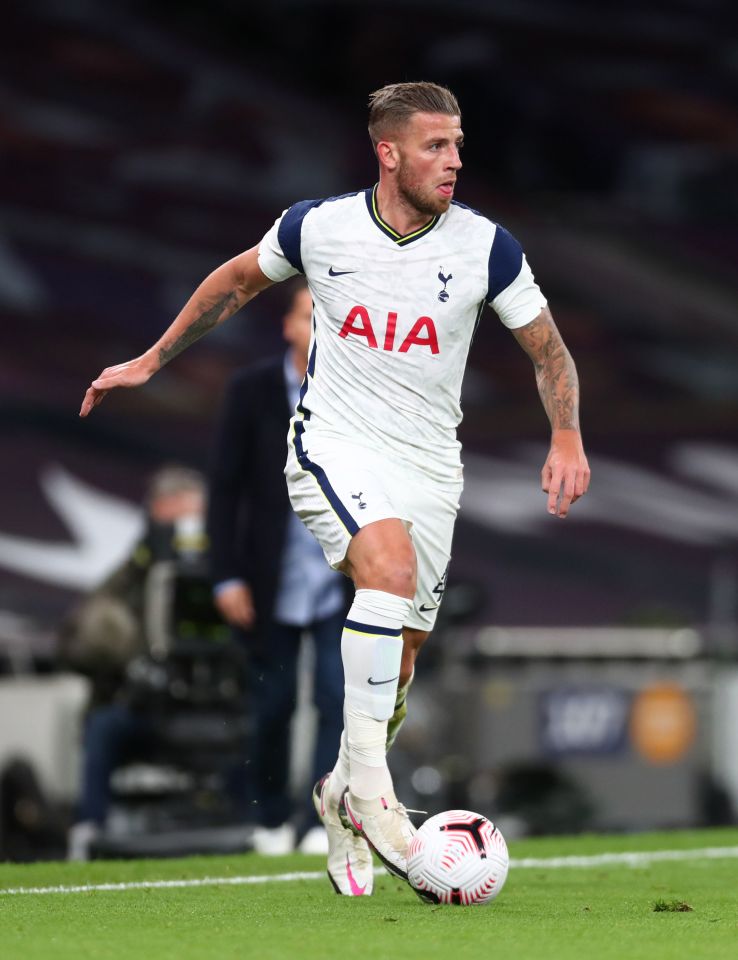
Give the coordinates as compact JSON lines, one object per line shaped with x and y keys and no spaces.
{"x":108,"y":630}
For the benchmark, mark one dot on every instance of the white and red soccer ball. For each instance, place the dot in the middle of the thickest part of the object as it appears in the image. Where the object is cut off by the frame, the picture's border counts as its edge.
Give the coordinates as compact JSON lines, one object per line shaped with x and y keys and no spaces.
{"x":458,"y":857}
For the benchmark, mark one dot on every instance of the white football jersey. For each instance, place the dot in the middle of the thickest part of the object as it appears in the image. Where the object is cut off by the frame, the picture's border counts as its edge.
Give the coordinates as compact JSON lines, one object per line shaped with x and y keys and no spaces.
{"x":394,"y":317}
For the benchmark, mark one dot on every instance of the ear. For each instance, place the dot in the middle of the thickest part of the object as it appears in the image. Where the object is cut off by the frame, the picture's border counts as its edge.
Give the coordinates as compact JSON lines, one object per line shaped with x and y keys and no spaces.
{"x":388,"y":154}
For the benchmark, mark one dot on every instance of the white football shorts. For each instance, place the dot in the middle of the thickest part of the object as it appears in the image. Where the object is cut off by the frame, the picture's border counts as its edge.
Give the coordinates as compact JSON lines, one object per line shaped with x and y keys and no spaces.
{"x":337,"y":487}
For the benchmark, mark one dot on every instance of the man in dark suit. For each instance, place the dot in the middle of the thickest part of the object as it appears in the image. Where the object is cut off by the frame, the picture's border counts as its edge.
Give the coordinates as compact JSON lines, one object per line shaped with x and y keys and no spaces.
{"x":272,"y":582}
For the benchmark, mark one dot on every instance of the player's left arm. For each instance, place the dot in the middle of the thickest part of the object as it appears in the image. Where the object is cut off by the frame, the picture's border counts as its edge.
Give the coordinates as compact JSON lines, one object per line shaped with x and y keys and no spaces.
{"x":565,"y":474}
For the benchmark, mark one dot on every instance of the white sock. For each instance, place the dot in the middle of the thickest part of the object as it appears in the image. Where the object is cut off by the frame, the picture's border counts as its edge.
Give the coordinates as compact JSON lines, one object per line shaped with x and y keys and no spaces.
{"x":371,"y":649}
{"x":340,"y":774}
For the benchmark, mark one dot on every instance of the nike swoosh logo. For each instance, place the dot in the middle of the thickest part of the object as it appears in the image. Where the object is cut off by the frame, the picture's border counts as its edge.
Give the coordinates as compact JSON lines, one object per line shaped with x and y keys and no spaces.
{"x":426,"y":608}
{"x":354,"y":887}
{"x":377,"y":683}
{"x":339,"y":273}
{"x":358,"y":824}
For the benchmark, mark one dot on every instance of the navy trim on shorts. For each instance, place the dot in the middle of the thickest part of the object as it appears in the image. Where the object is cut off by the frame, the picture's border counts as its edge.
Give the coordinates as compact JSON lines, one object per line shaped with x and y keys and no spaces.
{"x":317,"y":471}
{"x":370,"y":628}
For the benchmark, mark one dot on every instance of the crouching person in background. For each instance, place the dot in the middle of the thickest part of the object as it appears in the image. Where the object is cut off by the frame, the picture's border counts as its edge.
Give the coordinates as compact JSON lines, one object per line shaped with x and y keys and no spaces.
{"x":108,"y":630}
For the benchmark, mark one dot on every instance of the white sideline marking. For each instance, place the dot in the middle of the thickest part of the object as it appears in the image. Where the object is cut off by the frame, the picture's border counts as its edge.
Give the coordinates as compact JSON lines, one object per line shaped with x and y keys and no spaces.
{"x":166,"y":884}
{"x":630,"y":859}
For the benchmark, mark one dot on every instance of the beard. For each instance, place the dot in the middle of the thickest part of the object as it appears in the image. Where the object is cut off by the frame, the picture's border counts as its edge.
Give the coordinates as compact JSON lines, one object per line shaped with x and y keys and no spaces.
{"x":423,"y":199}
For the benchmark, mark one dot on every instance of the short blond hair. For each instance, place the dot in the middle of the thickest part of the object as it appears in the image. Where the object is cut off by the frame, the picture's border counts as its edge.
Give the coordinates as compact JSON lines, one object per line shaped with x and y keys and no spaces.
{"x":392,"y":106}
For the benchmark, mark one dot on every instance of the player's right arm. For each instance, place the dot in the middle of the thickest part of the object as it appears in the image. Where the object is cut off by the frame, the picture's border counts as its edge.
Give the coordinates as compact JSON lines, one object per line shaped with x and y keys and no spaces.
{"x":219,"y":296}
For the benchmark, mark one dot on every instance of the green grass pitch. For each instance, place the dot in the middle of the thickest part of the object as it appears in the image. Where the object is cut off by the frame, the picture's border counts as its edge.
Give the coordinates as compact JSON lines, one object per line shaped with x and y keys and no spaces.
{"x":658,"y":909}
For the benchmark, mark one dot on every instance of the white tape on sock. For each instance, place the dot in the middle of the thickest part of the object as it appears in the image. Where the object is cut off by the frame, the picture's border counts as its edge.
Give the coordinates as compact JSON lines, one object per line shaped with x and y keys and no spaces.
{"x":371,"y":649}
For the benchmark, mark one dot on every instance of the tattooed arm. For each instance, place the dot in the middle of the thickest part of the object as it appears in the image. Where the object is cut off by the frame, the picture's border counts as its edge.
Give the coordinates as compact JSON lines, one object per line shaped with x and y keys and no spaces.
{"x":227,"y":289}
{"x":565,"y":474}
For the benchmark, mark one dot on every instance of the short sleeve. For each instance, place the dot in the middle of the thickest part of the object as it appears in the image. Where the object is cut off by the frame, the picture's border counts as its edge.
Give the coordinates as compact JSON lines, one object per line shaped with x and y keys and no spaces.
{"x":273,"y":261}
{"x":512,"y":291}
{"x":521,"y":301}
{"x":280,"y":252}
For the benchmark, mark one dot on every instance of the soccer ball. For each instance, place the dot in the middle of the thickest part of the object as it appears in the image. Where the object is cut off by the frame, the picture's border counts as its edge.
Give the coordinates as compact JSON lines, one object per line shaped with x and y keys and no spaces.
{"x":457,"y":857}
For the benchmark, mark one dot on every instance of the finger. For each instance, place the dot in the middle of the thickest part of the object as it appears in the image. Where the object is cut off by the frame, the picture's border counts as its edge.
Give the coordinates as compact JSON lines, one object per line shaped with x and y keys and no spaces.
{"x":566,"y":496}
{"x":587,"y":475}
{"x":88,"y":401}
{"x":92,"y":398}
{"x":553,"y":490}
{"x":98,"y":398}
{"x":582,"y":484}
{"x":111,"y":376}
{"x":579,"y":487}
{"x":546,"y":477}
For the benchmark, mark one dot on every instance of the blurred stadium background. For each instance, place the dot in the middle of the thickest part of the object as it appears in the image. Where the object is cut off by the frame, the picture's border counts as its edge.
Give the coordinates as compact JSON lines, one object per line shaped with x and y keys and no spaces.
{"x":590,"y":663}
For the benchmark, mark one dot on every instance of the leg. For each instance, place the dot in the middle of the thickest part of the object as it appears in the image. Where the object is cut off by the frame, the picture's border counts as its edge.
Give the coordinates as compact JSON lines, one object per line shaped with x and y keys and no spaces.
{"x":412,"y":642}
{"x":381,"y":557}
{"x":328,"y":690}
{"x":328,"y":700}
{"x":274,"y":688}
{"x":362,"y":535}
{"x":381,"y":561}
{"x":111,"y":735}
{"x":432,"y":542}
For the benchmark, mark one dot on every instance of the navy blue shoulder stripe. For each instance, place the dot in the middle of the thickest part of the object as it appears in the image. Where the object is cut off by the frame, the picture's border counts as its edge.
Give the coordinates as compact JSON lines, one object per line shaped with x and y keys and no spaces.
{"x":289,"y":233}
{"x":457,"y":203}
{"x":505,"y":261}
{"x":505,"y":257}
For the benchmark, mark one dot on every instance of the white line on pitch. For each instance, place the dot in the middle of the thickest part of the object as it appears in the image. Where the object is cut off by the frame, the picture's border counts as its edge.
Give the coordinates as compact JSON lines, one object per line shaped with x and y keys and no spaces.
{"x":166,"y":884}
{"x":631,"y":859}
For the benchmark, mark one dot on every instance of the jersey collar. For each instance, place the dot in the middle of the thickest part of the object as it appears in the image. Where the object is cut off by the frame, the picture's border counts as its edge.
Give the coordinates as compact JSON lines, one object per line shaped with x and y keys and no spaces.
{"x":399,"y":239}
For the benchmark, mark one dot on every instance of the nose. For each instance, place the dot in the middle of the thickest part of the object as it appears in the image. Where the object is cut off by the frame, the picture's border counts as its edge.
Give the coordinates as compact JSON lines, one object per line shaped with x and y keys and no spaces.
{"x":455,"y":159}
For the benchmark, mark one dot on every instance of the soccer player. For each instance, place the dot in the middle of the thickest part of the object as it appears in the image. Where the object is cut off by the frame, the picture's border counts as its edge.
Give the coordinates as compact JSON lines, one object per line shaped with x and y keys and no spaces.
{"x":399,"y":275}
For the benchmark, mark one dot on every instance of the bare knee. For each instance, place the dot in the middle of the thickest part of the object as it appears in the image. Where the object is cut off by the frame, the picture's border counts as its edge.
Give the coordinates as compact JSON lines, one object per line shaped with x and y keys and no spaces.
{"x":391,"y":575}
{"x":381,"y":557}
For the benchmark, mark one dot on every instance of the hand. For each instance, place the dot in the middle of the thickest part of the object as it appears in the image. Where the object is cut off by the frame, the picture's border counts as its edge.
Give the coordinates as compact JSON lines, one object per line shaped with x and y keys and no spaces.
{"x":236,"y":605}
{"x":132,"y":373}
{"x":565,"y":474}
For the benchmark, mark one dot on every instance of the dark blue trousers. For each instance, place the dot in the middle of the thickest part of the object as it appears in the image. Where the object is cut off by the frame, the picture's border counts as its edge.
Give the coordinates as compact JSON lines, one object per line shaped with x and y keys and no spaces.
{"x":274,"y":692}
{"x":114,"y":734}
